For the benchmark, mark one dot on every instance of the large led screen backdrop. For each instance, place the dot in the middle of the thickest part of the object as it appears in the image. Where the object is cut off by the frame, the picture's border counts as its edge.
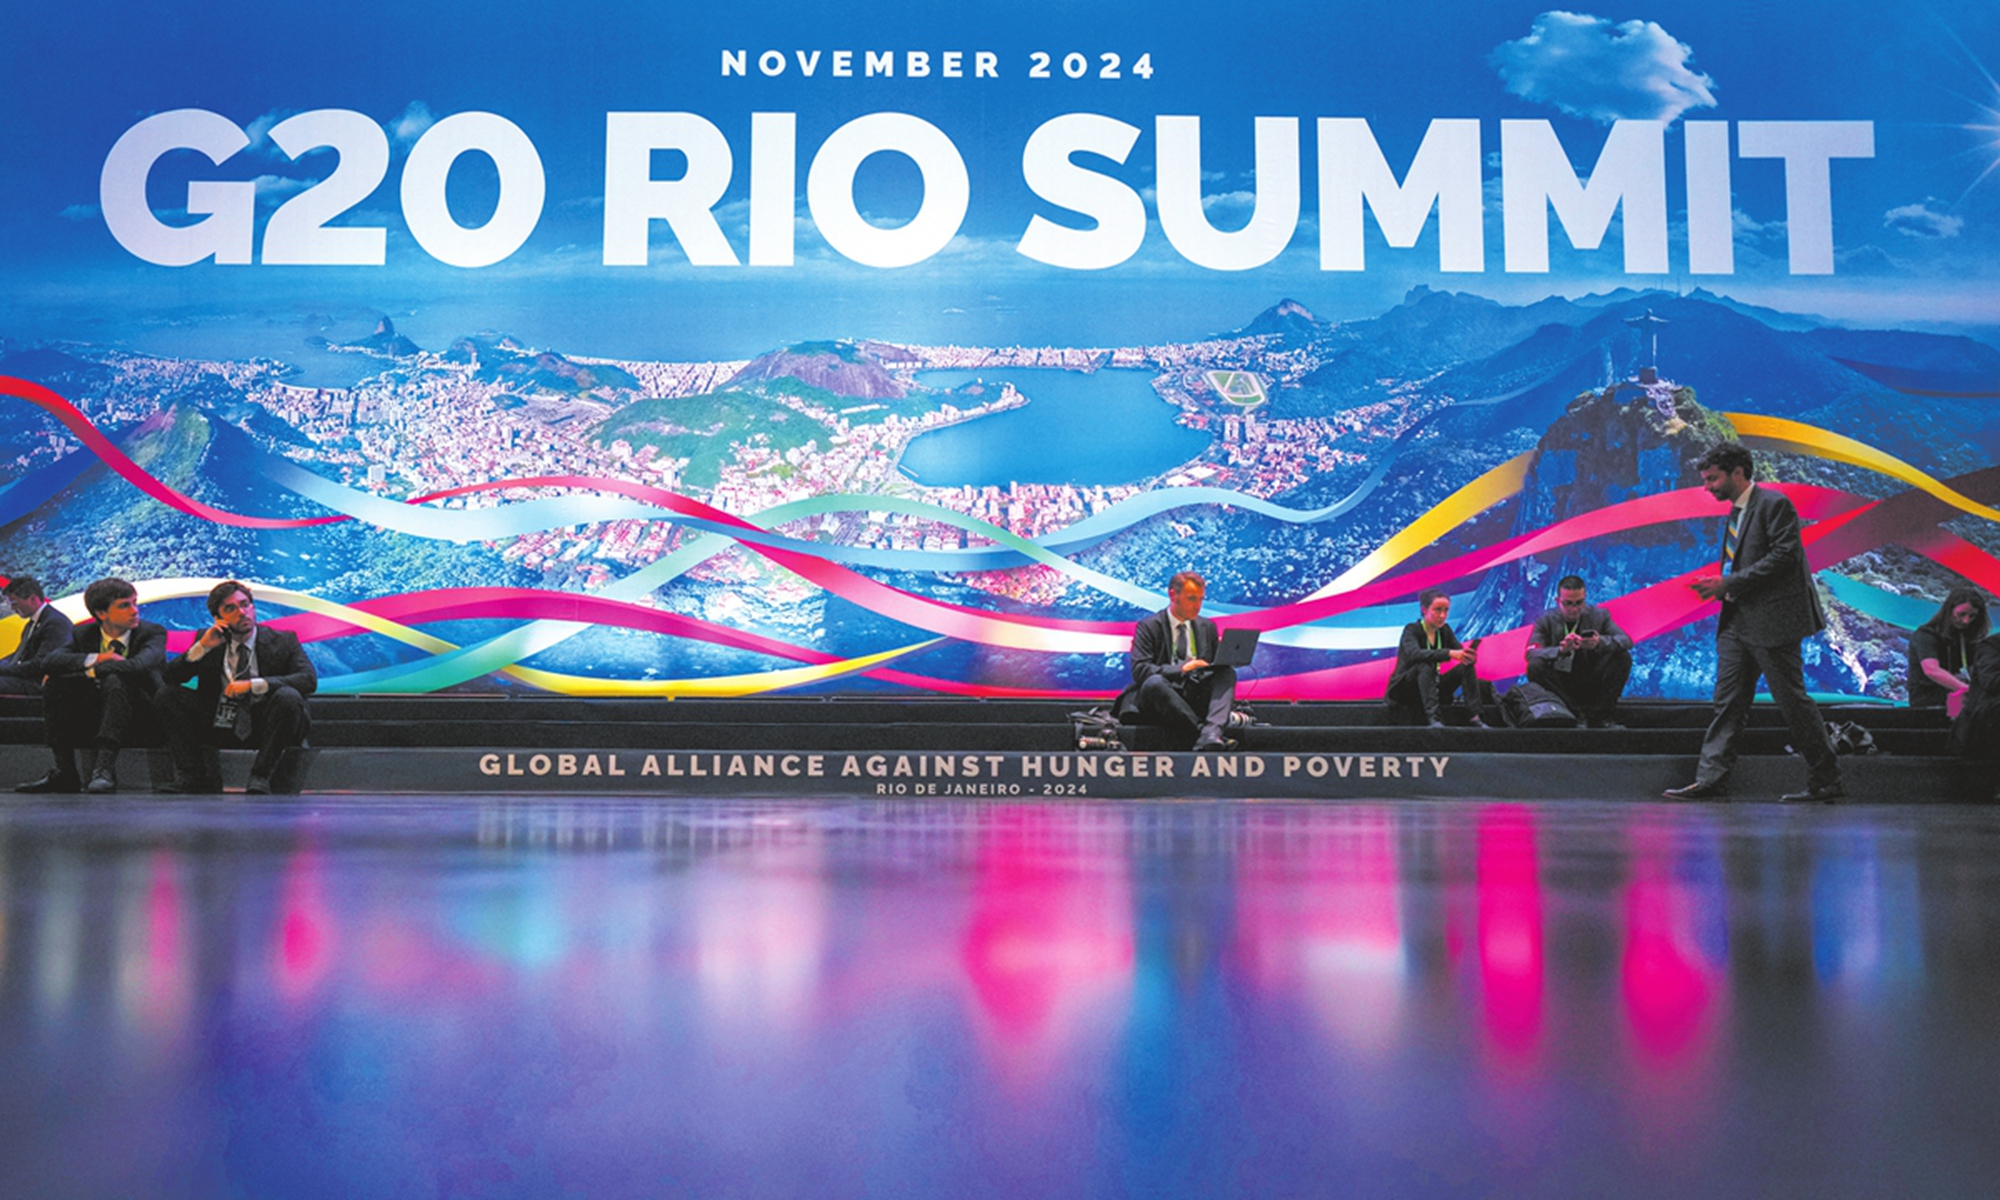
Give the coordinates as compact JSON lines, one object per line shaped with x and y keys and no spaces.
{"x":670,"y":350}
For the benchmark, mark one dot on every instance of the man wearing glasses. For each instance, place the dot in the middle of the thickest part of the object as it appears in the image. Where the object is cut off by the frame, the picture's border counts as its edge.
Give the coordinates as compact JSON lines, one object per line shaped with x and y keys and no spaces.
{"x":1578,"y":652}
{"x":250,"y":690}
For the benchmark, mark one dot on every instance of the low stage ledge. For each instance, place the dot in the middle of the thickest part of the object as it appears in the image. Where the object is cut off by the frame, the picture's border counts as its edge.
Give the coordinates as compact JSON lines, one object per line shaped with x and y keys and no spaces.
{"x":1019,"y":749}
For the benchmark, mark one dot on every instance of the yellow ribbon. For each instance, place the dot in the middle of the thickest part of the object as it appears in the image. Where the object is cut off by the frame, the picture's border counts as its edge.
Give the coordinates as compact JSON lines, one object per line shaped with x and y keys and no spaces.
{"x":1454,"y":510}
{"x":1776,"y":433}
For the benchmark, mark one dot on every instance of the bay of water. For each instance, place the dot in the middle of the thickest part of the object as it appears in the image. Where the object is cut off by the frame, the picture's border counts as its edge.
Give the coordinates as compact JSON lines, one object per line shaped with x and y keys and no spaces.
{"x":1087,"y":430}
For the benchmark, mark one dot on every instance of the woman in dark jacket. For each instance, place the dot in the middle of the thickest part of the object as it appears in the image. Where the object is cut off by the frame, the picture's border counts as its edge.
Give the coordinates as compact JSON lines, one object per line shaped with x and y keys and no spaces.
{"x":1941,"y":649}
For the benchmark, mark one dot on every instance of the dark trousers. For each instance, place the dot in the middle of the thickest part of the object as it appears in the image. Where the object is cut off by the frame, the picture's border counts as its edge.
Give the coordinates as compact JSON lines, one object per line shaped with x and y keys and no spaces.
{"x":1198,"y":707}
{"x":1422,"y":690}
{"x":278,"y":722}
{"x":1737,"y":668}
{"x":11,"y":685}
{"x":1592,"y":685}
{"x":108,"y":712}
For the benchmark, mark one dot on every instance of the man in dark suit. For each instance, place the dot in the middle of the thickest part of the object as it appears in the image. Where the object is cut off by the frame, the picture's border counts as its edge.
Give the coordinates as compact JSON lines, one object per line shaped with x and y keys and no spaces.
{"x":1769,"y":606}
{"x":250,"y":689}
{"x":1578,"y":652}
{"x":46,"y":630}
{"x":1173,"y":682}
{"x":22,"y":672}
{"x":102,"y":686}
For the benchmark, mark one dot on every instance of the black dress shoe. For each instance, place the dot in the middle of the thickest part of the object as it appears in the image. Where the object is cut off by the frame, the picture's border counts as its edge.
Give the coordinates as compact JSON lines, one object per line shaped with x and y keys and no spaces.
{"x":1825,"y":793}
{"x":53,"y":782}
{"x":1697,"y":791}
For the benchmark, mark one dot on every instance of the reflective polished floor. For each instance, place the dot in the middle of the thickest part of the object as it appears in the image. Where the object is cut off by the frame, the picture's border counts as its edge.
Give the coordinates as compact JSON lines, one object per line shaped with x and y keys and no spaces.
{"x":389,"y":998}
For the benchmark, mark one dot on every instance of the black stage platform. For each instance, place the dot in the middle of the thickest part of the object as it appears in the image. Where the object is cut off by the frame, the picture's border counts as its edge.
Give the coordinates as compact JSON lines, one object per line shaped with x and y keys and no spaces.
{"x":486,"y":745}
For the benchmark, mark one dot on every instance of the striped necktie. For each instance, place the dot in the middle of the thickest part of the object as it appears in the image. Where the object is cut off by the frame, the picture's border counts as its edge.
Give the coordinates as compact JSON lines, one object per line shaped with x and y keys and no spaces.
{"x":1730,"y":539}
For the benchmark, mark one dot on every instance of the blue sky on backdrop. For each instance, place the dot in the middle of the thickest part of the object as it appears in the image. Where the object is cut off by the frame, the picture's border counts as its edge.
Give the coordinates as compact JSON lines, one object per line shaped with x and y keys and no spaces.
{"x":1916,"y":228}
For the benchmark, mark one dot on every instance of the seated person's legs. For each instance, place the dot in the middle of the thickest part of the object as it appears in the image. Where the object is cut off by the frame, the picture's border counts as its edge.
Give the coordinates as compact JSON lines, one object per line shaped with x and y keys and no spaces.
{"x":1161,"y":703}
{"x":1544,"y":673}
{"x":191,"y":736}
{"x":69,"y":708}
{"x":1472,"y":691}
{"x":279,"y":723}
{"x":1414,"y":694}
{"x":1212,"y":695}
{"x":1592,"y":684}
{"x":75,"y":715}
{"x":1606,"y":676}
{"x":123,"y":708}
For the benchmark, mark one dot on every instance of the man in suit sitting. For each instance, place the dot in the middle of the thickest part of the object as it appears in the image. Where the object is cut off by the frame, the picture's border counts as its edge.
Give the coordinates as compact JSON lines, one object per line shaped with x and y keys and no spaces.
{"x":1578,"y":652}
{"x":250,"y":689}
{"x":46,"y":630}
{"x":22,"y":672}
{"x":1173,"y":683}
{"x":102,"y":686}
{"x":1769,"y":606}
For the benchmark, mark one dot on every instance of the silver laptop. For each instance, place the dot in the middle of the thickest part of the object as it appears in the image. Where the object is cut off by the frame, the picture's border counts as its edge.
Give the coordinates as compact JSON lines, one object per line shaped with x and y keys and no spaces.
{"x":1236,"y":648}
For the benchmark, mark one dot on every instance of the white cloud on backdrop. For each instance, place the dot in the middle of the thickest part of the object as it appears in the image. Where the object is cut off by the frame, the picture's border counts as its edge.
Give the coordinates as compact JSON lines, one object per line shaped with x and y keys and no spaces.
{"x":411,"y":124}
{"x":1923,"y":220}
{"x":1603,"y":71}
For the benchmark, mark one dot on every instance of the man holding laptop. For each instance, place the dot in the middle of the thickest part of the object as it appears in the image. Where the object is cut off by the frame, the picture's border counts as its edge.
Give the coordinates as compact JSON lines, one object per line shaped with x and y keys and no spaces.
{"x":1183,"y":677}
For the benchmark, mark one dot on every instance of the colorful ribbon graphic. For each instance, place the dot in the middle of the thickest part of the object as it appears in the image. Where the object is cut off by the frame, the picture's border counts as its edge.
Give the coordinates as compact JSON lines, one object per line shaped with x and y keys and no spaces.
{"x":1345,"y":614}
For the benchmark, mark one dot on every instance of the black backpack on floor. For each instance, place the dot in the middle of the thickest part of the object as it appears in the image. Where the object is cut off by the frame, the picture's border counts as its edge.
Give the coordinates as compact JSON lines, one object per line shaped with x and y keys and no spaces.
{"x":1532,"y":706}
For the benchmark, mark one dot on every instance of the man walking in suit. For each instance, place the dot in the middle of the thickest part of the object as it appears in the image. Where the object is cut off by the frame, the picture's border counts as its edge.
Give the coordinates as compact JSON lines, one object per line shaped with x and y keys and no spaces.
{"x":1769,"y":606}
{"x":102,"y":686}
{"x":1173,"y":681}
{"x":46,"y":630}
{"x":250,"y":689}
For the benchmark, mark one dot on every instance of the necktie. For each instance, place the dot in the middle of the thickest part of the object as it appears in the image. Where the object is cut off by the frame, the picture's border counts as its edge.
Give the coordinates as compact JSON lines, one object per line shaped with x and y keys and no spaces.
{"x":1180,"y":642}
{"x":1730,"y":539}
{"x":239,"y":661}
{"x":118,"y":647}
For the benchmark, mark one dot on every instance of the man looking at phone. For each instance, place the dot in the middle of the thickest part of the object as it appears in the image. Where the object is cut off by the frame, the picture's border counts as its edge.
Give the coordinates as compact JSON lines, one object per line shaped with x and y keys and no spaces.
{"x":1578,"y":652}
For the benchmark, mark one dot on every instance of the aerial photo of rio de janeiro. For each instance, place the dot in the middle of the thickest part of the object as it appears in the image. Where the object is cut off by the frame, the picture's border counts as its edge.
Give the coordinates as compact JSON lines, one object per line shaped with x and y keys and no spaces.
{"x":1040,"y":487}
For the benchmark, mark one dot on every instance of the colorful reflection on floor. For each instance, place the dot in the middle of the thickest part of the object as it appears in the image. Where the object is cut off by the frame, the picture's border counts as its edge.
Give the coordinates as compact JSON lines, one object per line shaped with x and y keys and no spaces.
{"x":392,"y":998}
